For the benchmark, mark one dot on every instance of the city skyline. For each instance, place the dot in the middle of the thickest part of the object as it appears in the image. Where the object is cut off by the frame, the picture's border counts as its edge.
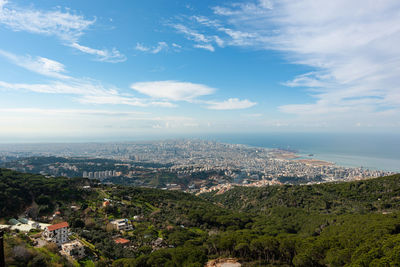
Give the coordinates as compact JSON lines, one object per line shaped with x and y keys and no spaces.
{"x":86,"y":69}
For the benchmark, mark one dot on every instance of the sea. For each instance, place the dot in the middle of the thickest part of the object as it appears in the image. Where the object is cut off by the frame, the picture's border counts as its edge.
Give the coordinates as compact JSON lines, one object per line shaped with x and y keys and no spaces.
{"x":375,"y":151}
{"x":370,"y":151}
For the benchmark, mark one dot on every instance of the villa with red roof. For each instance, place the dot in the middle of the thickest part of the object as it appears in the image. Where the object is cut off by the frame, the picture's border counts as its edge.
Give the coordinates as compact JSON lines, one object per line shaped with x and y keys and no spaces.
{"x":57,"y":233}
{"x":122,"y":241}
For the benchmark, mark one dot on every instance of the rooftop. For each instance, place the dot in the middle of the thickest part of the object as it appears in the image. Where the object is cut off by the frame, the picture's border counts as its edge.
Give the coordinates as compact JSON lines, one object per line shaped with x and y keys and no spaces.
{"x":57,"y":226}
{"x":121,"y":241}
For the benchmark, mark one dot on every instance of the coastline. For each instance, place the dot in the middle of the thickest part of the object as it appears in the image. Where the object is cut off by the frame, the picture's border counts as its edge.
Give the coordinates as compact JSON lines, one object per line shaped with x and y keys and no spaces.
{"x":356,"y":161}
{"x":369,"y":151}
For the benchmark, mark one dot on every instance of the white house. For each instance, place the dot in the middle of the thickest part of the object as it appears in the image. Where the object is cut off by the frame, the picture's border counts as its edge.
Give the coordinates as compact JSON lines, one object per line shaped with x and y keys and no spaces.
{"x":122,"y":225}
{"x":57,"y":233}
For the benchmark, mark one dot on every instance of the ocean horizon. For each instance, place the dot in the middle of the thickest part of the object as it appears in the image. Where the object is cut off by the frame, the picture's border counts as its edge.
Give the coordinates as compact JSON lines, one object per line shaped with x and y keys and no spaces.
{"x":371,"y":151}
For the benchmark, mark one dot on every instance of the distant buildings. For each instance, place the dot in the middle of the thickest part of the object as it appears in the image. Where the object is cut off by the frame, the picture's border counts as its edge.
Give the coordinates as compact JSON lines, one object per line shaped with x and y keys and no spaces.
{"x":57,"y":233}
{"x":198,"y":160}
{"x":101,"y":174}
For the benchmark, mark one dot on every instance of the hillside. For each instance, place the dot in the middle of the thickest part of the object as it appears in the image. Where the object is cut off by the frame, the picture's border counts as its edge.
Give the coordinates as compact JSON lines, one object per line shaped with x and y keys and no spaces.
{"x":20,"y":190}
{"x":371,"y":195}
{"x":318,"y":225}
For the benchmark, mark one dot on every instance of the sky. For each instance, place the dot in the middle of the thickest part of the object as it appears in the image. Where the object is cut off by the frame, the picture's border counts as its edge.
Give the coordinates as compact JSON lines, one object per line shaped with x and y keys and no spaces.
{"x":122,"y":69}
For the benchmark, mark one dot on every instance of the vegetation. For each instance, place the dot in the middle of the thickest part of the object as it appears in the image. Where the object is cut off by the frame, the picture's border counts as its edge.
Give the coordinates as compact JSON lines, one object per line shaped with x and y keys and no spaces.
{"x":19,"y":251}
{"x":20,"y":190}
{"x":372,"y":195}
{"x":353,"y":224}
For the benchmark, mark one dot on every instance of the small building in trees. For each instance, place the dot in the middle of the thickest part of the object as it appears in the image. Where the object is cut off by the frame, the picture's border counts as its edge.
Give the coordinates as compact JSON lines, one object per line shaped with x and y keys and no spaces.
{"x":122,"y":225}
{"x":122,"y":241}
{"x":74,"y":249}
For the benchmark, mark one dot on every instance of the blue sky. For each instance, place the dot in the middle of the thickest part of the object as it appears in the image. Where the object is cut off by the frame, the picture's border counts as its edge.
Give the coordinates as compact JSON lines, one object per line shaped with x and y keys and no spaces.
{"x":80,"y":69}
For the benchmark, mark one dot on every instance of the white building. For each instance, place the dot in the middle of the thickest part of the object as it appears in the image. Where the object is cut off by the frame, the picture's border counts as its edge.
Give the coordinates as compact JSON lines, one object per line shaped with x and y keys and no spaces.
{"x":122,"y":225}
{"x":74,"y":249}
{"x":57,"y":233}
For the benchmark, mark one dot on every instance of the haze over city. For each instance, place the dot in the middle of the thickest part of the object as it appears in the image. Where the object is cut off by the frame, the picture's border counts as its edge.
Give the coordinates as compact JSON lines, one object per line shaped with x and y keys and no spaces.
{"x":81,"y":70}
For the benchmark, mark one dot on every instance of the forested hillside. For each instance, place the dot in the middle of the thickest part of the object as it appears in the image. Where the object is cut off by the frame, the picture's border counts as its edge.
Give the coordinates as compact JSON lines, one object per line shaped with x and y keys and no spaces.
{"x":372,"y":195}
{"x":20,"y":190}
{"x":355,"y":223}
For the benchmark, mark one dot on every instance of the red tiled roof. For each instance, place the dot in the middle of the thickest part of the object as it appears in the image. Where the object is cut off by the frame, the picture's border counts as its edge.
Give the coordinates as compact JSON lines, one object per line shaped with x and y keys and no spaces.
{"x":57,"y":226}
{"x":121,"y":241}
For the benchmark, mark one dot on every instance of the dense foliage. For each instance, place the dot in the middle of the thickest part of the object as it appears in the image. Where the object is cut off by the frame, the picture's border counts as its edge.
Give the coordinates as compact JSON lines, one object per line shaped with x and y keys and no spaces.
{"x":20,"y":190}
{"x":372,"y":195}
{"x":337,"y":224}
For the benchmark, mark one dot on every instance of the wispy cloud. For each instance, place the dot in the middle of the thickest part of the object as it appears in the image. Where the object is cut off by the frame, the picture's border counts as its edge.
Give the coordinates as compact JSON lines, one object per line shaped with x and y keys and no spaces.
{"x":230,"y":104}
{"x":173,"y":90}
{"x":192,"y":34}
{"x":350,"y":44}
{"x":104,"y":55}
{"x":202,"y":41}
{"x":76,"y":87}
{"x":41,"y":65}
{"x":142,"y":48}
{"x":86,"y":92}
{"x":205,"y":47}
{"x":64,"y":24}
{"x":123,"y":100}
{"x":161,"y":46}
{"x":208,"y":33}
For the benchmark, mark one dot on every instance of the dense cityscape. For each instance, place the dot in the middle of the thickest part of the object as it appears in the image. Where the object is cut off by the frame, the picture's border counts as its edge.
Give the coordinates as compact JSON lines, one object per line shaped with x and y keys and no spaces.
{"x":191,"y":165}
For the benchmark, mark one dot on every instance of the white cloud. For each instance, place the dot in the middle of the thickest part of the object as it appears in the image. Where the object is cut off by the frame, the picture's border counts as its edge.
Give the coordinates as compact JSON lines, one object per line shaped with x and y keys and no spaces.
{"x":231,"y":103}
{"x":141,"y":47}
{"x":238,"y":38}
{"x":163,"y":104}
{"x":73,"y":87}
{"x":205,"y":46}
{"x":87,"y":92}
{"x":123,"y":100}
{"x":65,"y":25}
{"x":161,"y":46}
{"x":350,"y":45}
{"x":192,"y":34}
{"x":206,"y":21}
{"x":173,"y":90}
{"x":219,"y":41}
{"x":201,"y":40}
{"x":41,"y":65}
{"x":93,"y":92}
{"x":268,"y":4}
{"x":112,"y":99}
{"x":104,"y":55}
